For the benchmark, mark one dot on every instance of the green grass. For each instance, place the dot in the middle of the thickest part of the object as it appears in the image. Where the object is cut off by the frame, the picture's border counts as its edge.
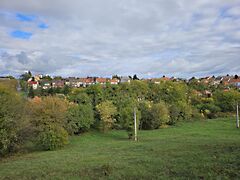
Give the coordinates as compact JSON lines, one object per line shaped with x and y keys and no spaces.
{"x":195,"y":150}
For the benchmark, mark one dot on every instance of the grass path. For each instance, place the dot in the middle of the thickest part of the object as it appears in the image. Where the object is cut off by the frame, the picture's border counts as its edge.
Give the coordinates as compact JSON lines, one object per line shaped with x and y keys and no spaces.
{"x":196,"y":150}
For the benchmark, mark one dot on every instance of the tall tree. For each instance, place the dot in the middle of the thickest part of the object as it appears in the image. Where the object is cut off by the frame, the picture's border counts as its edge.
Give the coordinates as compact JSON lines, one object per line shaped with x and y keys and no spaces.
{"x":106,"y":111}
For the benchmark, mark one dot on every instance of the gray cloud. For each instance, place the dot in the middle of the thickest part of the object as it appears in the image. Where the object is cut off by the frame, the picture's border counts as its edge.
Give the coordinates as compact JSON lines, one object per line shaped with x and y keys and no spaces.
{"x":150,"y":38}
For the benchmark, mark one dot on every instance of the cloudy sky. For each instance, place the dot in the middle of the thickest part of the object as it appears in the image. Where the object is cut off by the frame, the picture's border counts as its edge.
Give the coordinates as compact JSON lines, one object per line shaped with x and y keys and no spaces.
{"x":150,"y":38}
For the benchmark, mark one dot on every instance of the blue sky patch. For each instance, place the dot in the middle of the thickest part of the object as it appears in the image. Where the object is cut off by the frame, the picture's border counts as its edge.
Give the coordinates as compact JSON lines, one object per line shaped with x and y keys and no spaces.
{"x":21,"y":34}
{"x":43,"y":26}
{"x":25,"y":17}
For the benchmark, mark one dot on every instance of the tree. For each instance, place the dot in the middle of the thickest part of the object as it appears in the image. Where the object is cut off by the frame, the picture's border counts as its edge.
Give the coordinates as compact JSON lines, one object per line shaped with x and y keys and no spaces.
{"x":31,"y":92}
{"x":227,"y":100}
{"x":126,"y":118}
{"x":11,"y":113}
{"x":48,"y":116}
{"x":52,"y":137}
{"x":160,"y":114}
{"x":138,"y":89}
{"x":154,"y":115}
{"x":135,"y":77}
{"x":95,"y":92}
{"x":26,"y":76}
{"x":47,"y":77}
{"x":116,"y":77}
{"x":66,"y":90}
{"x":80,"y":98}
{"x":106,"y":111}
{"x":50,"y":91}
{"x":79,"y":118}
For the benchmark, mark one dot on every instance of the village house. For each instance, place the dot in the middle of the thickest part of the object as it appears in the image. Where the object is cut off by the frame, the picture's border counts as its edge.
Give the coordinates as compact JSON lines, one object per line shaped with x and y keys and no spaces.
{"x":114,"y":81}
{"x":125,"y":79}
{"x":164,"y":78}
{"x":226,"y":80}
{"x":45,"y":84}
{"x":58,"y":83}
{"x":217,"y":80}
{"x":89,"y":81}
{"x":207,"y":80}
{"x":33,"y":83}
{"x":235,"y":81}
{"x":101,"y":80}
{"x":73,"y":82}
{"x":155,"y":80}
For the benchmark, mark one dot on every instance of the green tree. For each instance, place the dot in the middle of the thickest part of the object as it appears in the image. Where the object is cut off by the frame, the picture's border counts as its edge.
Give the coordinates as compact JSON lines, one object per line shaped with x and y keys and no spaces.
{"x":11,"y":113}
{"x":107,"y":112}
{"x":52,"y":137}
{"x":80,"y":98}
{"x":126,"y":116}
{"x":31,"y":92}
{"x":95,"y":92}
{"x":154,"y":115}
{"x":80,"y":117}
{"x":48,"y":116}
{"x":227,"y":100}
{"x":66,"y":90}
{"x":26,"y":76}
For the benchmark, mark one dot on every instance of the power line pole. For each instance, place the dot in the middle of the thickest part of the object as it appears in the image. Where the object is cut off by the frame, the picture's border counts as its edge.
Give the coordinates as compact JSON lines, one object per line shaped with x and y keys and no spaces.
{"x":135,"y":125}
{"x":237,"y":119}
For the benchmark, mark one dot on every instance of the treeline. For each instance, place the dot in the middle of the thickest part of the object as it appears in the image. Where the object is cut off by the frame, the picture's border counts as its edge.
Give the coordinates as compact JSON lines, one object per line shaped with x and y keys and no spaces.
{"x":47,"y":121}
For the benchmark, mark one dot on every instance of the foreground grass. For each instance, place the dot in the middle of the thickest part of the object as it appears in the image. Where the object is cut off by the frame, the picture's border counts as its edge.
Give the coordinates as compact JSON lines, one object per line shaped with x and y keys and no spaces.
{"x":198,"y":150}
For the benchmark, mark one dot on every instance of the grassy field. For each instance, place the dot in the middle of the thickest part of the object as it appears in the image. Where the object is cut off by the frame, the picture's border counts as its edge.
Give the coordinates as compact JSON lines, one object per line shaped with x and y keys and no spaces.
{"x":195,"y":150}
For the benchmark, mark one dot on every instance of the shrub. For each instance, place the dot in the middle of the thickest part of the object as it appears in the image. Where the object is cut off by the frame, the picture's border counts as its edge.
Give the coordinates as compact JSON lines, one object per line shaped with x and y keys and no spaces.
{"x":154,"y":115}
{"x":160,"y":114}
{"x":48,"y":110}
{"x":174,"y":114}
{"x":227,"y":100}
{"x":48,"y":118}
{"x":127,"y":119}
{"x":185,"y":110}
{"x":209,"y":110}
{"x":52,"y":137}
{"x":146,"y":116}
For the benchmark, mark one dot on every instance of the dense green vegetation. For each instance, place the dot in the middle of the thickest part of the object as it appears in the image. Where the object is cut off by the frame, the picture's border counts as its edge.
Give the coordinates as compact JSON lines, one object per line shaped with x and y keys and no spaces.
{"x":207,"y":149}
{"x":47,"y":121}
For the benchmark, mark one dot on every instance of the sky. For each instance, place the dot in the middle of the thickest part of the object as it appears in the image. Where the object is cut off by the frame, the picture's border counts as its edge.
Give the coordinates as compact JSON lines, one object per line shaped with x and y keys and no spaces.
{"x":150,"y":38}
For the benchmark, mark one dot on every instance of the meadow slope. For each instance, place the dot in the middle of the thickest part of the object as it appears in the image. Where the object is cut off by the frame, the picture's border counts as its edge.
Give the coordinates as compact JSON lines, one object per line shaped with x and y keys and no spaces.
{"x":194,"y":150}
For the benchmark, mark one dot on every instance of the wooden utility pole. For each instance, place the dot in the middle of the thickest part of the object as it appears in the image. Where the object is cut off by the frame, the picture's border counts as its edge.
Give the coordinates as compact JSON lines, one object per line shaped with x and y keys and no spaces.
{"x":135,"y":124}
{"x":237,"y":118}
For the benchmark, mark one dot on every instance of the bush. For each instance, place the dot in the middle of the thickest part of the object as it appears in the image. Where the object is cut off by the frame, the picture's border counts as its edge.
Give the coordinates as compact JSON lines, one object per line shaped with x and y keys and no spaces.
{"x":154,"y":115}
{"x":197,"y":115}
{"x":160,"y":114}
{"x":174,"y":114}
{"x":48,"y":110}
{"x":79,"y":118}
{"x":52,"y":137}
{"x":209,"y":110}
{"x":127,"y":119}
{"x":48,"y":119}
{"x":227,"y":100}
{"x":185,"y":111}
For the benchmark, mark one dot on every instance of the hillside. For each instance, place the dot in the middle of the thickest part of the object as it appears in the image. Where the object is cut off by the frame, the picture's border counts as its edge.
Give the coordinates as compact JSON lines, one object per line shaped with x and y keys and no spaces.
{"x":194,"y":150}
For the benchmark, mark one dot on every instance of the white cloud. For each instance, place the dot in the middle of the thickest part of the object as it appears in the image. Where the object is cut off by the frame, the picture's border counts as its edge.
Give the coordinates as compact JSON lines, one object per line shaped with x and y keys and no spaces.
{"x":91,"y":37}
